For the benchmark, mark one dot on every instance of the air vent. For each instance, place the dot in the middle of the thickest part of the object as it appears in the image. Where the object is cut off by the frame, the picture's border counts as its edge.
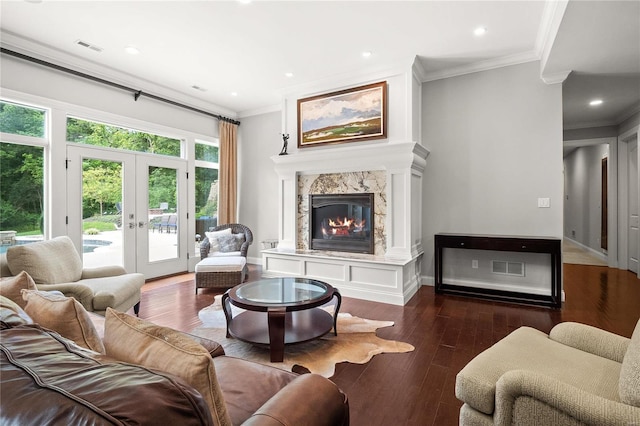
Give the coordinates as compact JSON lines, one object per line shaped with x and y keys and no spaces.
{"x":89,"y":46}
{"x":507,"y":268}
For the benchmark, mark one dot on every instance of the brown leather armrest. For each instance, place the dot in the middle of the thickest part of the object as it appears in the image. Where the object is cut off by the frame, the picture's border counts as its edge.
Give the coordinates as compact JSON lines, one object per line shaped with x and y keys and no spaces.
{"x":309,"y":399}
{"x":214,"y":348}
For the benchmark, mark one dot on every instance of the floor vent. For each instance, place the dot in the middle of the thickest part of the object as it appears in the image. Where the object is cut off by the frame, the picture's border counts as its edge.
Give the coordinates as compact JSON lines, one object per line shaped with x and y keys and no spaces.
{"x":507,"y":268}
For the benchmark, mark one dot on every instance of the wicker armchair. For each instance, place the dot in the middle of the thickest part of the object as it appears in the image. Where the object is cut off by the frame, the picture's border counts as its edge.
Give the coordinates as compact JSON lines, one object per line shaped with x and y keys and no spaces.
{"x":223,"y":270}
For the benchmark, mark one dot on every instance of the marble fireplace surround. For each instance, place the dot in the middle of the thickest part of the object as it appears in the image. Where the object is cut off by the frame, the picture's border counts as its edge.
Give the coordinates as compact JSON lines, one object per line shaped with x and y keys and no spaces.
{"x":393,"y":173}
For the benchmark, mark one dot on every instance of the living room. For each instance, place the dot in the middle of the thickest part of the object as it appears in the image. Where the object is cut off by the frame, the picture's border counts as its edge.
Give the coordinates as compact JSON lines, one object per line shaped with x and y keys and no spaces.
{"x":491,"y":139}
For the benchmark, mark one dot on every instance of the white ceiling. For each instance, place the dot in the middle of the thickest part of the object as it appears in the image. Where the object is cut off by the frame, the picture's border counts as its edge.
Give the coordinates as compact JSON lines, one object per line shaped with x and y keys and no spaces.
{"x":227,"y":46}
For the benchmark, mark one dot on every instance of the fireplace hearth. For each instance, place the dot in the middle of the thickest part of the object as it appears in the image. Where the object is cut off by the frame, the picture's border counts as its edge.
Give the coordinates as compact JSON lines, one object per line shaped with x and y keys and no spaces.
{"x":341,"y":222}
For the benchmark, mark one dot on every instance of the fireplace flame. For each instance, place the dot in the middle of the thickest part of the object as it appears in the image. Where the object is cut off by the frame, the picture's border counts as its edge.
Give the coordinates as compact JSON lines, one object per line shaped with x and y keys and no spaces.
{"x":343,"y":226}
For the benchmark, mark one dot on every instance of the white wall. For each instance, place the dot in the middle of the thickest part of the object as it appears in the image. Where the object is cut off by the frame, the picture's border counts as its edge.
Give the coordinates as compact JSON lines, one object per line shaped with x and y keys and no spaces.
{"x":496,"y":146}
{"x":259,"y":138}
{"x":583,"y":181}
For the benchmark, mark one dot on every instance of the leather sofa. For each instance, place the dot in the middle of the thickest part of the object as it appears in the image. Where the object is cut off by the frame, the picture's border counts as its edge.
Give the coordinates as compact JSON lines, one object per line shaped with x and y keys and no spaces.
{"x":56,"y":265}
{"x":575,"y":375}
{"x":48,"y":379}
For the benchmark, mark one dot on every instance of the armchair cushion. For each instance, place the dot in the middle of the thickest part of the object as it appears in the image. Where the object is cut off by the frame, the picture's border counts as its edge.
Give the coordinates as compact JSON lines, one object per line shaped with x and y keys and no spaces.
{"x":132,"y":340}
{"x":48,"y":262}
{"x":11,"y":287}
{"x":212,"y":236}
{"x":630,"y":372}
{"x":65,"y":315}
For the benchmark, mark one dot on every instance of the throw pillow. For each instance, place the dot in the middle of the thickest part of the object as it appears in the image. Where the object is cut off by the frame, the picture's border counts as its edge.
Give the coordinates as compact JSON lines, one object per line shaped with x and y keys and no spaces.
{"x":48,"y":262}
{"x":629,"y":387}
{"x":64,"y":315}
{"x":12,"y":314}
{"x":136,"y":341}
{"x":213,"y":238}
{"x":229,"y":243}
{"x":12,"y":287}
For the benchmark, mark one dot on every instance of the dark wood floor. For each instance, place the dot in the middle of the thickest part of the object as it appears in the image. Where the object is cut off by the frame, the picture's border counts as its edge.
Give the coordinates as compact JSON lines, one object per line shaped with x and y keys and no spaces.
{"x":417,"y":388}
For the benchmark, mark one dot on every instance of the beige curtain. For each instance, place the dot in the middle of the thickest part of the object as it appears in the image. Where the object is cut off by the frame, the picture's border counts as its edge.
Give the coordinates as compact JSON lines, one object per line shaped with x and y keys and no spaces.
{"x":228,"y":173}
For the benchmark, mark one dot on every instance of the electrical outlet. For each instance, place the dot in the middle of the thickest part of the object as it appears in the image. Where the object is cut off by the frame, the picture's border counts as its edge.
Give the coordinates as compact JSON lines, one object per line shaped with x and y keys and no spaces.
{"x":474,"y":264}
{"x":543,"y":203}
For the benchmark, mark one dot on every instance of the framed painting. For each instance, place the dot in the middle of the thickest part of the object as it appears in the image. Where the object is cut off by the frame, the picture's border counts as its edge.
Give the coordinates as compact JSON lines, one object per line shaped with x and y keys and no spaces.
{"x":350,"y":115}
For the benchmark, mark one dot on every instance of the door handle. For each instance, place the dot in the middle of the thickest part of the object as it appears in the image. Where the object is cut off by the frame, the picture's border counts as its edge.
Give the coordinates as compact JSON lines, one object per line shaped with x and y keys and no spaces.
{"x":132,"y":225}
{"x":141,"y":224}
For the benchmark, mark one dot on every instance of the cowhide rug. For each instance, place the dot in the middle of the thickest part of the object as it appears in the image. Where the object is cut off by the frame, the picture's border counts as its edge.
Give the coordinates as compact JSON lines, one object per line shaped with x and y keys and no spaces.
{"x":356,"y":342}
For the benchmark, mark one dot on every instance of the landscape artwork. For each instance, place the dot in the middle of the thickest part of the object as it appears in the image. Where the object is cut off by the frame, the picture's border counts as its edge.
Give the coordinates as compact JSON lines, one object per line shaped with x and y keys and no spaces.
{"x":350,"y":115}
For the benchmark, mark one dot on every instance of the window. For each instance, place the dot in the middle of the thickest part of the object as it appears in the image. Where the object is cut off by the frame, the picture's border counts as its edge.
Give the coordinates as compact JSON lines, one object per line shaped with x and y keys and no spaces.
{"x":21,"y":120}
{"x":21,"y":173}
{"x":206,"y":185}
{"x":92,"y":133}
{"x":206,"y":152}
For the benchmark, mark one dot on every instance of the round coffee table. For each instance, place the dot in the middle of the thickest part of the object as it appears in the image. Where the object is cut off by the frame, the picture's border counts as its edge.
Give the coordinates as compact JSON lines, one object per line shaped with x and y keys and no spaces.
{"x":292,"y":308}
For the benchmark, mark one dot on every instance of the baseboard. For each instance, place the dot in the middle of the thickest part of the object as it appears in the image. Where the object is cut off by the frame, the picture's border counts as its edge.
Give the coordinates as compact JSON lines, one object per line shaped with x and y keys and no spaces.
{"x":594,"y":252}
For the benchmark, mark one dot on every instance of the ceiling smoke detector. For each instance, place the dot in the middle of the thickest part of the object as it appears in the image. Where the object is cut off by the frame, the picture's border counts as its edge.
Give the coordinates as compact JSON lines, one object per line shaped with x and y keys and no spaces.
{"x":89,"y":46}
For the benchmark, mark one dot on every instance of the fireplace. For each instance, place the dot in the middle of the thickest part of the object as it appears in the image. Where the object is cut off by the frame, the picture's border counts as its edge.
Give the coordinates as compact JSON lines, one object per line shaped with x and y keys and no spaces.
{"x":341,"y":222}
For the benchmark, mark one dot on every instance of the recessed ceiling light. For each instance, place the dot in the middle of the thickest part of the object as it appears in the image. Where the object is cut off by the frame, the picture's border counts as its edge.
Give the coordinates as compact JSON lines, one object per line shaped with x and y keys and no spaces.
{"x":288,"y":74}
{"x":131,"y":50}
{"x":480,"y":31}
{"x":234,"y":93}
{"x":596,"y":102}
{"x":366,"y":54}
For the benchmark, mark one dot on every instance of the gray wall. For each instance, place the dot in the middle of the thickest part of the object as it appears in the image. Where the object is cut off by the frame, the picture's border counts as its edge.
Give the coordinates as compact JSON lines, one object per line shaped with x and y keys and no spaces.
{"x":583,"y":180}
{"x":259,"y":139}
{"x":496,"y":146}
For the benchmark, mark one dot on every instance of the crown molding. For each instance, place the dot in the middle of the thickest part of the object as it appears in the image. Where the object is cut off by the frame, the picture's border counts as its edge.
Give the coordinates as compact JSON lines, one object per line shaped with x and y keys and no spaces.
{"x":259,"y":111}
{"x":590,"y":124}
{"x":556,"y":77}
{"x":635,"y":109}
{"x":489,"y":64}
{"x":418,"y":69}
{"x":549,"y":25}
{"x":28,"y":47}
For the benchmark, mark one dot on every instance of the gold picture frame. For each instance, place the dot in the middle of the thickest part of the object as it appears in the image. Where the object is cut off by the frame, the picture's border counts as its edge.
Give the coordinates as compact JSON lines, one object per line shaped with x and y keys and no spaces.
{"x":349,"y":115}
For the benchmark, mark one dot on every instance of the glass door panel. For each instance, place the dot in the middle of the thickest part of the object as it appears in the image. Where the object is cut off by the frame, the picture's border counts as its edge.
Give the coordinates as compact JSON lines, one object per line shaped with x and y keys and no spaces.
{"x":102,"y":213}
{"x":163,"y":216}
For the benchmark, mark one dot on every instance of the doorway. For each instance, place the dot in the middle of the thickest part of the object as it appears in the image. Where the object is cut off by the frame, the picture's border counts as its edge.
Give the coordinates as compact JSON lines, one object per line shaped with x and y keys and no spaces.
{"x":634,"y":235}
{"x":123,"y":209}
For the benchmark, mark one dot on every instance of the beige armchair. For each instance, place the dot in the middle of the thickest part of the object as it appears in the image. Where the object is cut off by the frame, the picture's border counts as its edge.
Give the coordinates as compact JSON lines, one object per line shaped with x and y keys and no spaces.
{"x":577,"y":374}
{"x":56,"y":265}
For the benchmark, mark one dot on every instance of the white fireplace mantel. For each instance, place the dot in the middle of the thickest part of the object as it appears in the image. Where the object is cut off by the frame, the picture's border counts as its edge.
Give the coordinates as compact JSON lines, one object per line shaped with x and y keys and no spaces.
{"x":388,"y":156}
{"x":403,"y":164}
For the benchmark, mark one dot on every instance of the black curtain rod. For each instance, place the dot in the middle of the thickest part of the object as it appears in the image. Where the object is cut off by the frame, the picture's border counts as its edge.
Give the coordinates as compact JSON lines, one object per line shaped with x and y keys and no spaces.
{"x":136,"y":93}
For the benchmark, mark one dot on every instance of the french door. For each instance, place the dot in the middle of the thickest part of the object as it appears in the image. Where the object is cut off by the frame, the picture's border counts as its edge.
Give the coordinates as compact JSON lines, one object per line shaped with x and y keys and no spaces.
{"x":128,"y":209}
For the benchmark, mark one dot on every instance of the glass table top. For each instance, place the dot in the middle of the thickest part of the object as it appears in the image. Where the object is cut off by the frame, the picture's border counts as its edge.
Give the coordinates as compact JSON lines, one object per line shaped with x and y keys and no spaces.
{"x":282,"y":291}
